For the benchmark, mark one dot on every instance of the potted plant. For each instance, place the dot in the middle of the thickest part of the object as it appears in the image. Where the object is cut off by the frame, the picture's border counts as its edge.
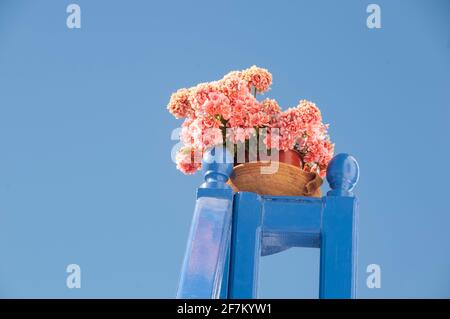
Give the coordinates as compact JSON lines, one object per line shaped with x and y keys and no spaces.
{"x":257,"y":133}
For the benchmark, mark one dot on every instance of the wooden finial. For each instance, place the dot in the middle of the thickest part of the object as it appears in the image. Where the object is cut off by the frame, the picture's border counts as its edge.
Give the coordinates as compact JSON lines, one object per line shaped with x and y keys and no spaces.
{"x":342,"y":175}
{"x":217,"y":165}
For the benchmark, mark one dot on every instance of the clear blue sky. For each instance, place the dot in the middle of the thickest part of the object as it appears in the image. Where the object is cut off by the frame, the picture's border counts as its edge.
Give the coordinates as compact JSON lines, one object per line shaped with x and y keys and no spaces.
{"x":85,"y":169}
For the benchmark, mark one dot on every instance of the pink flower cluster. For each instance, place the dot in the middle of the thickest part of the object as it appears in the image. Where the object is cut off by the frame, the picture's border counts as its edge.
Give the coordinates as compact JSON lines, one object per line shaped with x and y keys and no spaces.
{"x":259,"y":78}
{"x":226,"y":111}
{"x":301,"y":129}
{"x":188,"y":160}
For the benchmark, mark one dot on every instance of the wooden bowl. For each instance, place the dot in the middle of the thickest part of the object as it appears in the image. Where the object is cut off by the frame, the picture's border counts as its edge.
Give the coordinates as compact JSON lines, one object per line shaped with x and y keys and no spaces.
{"x":287,"y":180}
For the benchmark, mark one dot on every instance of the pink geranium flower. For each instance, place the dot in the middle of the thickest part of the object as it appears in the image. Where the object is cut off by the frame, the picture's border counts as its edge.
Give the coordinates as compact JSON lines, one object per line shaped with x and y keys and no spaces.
{"x":179,"y":104}
{"x":309,"y":112}
{"x":199,"y":94}
{"x":215,"y":104}
{"x":188,"y":160}
{"x":259,"y":78}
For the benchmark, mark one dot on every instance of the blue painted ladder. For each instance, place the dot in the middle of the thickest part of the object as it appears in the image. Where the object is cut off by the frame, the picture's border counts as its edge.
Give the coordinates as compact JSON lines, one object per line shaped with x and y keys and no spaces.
{"x":230,"y":232}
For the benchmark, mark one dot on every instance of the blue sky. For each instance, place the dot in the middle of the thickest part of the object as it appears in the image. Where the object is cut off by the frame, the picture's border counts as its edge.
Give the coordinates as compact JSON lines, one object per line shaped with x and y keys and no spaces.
{"x":85,"y":169}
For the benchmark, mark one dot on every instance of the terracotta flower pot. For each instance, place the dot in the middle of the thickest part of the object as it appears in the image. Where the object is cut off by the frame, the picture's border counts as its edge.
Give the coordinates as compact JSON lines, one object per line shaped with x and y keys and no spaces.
{"x":290,"y":157}
{"x":286,"y":178}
